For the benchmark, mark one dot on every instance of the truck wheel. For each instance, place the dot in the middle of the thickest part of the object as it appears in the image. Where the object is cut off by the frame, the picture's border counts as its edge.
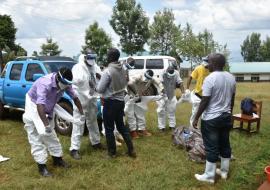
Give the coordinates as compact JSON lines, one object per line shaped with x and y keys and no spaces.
{"x":61,"y":126}
{"x":3,"y":111}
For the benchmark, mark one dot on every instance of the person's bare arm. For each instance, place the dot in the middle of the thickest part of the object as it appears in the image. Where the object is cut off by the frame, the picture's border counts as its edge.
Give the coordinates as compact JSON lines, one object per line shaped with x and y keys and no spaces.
{"x":232,"y":102}
{"x":204,"y":103}
{"x":77,"y":102}
{"x":42,"y":114}
{"x":189,"y":81}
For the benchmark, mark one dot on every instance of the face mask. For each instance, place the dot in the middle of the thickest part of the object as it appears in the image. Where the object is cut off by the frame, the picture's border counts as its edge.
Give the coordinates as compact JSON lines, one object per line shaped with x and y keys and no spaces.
{"x":90,"y":62}
{"x":171,"y":74}
{"x":62,"y":86}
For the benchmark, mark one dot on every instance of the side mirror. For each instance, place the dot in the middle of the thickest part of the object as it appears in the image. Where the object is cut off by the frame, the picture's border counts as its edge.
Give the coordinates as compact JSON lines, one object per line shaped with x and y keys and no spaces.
{"x":37,"y":76}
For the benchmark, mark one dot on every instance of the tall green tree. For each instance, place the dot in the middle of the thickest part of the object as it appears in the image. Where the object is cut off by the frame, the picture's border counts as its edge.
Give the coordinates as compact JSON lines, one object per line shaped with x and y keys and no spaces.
{"x":97,"y":40}
{"x":35,"y":53}
{"x":163,"y":33}
{"x":50,"y":48}
{"x":208,"y":42}
{"x":7,"y":35}
{"x":131,"y":24}
{"x":265,"y":49}
{"x":251,"y":48}
{"x":189,"y":46}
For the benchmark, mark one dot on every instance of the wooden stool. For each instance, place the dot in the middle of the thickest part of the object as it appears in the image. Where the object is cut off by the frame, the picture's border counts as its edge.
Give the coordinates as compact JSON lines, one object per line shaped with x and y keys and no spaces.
{"x":249,"y":119}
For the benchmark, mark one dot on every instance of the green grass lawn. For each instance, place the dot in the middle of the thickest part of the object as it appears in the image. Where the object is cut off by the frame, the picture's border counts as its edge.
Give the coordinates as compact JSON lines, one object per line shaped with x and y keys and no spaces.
{"x":159,"y":164}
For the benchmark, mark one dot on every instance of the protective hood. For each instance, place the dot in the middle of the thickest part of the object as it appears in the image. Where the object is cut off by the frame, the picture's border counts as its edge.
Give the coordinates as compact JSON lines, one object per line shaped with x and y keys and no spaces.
{"x":116,"y":65}
{"x":81,"y":59}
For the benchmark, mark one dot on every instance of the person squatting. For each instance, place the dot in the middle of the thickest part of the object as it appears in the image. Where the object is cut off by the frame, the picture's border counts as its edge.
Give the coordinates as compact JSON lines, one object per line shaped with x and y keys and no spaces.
{"x":127,"y":96}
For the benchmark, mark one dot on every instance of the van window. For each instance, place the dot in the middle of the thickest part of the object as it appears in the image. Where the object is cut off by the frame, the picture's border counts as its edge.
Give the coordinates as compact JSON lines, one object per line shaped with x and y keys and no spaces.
{"x":154,"y":64}
{"x":31,"y":70}
{"x":139,"y":63}
{"x":15,"y":73}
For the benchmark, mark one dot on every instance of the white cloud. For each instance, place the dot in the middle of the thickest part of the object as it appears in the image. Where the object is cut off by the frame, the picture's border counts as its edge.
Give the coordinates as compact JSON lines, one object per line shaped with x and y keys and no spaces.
{"x":63,"y":20}
{"x":174,"y":3}
{"x":230,"y":21}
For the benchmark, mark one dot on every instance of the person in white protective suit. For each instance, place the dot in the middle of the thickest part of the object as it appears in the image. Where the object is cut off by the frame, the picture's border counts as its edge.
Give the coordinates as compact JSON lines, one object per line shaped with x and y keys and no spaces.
{"x":84,"y":84}
{"x":138,"y":87}
{"x":198,"y":74}
{"x":39,"y":117}
{"x":167,"y":105}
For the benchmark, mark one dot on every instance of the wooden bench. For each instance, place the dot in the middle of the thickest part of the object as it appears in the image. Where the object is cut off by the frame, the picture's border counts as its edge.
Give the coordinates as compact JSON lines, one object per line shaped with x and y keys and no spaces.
{"x":249,"y":119}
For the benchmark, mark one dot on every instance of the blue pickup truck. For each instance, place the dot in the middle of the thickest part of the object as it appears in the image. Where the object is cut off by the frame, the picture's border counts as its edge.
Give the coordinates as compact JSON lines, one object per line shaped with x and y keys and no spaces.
{"x":18,"y":77}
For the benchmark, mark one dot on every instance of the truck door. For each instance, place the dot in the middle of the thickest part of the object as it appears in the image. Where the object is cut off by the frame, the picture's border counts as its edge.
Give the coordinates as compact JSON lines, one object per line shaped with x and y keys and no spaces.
{"x":13,"y":86}
{"x":27,"y":79}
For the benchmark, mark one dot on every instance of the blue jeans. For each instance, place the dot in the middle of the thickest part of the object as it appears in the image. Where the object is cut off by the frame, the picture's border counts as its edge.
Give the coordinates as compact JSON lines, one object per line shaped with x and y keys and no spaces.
{"x":113,"y":112}
{"x":215,"y":134}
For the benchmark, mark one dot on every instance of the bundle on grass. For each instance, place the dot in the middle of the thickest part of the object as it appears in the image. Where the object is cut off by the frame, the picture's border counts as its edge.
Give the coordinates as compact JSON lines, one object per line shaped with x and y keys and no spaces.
{"x":191,"y":141}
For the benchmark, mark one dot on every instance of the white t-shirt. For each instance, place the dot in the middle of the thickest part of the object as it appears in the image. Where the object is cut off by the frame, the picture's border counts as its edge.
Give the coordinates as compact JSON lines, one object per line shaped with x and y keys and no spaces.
{"x":220,"y":86}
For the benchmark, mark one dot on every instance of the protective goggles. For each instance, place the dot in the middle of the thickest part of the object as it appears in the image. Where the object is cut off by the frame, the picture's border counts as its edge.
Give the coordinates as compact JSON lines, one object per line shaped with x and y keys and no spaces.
{"x":130,"y":66}
{"x":91,"y":56}
{"x":64,"y":80}
{"x":147,"y":76}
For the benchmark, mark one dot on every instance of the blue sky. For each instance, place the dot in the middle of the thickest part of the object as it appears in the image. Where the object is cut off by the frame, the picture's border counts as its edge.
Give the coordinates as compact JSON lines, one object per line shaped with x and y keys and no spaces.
{"x":66,"y":20}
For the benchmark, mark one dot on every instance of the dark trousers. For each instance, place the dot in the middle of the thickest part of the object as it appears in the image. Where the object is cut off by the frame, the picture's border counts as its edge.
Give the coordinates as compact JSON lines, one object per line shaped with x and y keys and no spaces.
{"x":100,"y":121}
{"x":113,"y":112}
{"x":215,"y":134}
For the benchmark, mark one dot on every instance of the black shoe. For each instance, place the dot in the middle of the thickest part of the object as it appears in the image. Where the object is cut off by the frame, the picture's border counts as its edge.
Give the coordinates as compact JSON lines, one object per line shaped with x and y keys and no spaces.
{"x":162,"y":130}
{"x":75,"y":154}
{"x":42,"y":169}
{"x":111,"y":156}
{"x":98,"y":146}
{"x":172,"y":128}
{"x":132,"y":154}
{"x":59,"y":162}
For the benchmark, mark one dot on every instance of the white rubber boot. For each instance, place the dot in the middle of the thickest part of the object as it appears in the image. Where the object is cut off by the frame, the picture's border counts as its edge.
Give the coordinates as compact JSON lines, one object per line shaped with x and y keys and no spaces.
{"x":209,"y":173}
{"x":224,"y":167}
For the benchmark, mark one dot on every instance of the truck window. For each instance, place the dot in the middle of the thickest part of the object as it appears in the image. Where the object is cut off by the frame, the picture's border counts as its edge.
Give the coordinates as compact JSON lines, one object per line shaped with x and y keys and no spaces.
{"x":55,"y":66}
{"x":15,"y":73}
{"x":139,"y":63}
{"x":154,"y":64}
{"x":32,"y":69}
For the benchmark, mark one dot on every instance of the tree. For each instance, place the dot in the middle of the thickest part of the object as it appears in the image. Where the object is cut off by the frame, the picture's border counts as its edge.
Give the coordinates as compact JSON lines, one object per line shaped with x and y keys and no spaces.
{"x":97,"y":40}
{"x":209,"y":45}
{"x":7,"y":35}
{"x":50,"y":48}
{"x":265,"y":49}
{"x":189,"y":46}
{"x":251,"y":48}
{"x":130,"y":23}
{"x":35,"y":53}
{"x":163,"y":33}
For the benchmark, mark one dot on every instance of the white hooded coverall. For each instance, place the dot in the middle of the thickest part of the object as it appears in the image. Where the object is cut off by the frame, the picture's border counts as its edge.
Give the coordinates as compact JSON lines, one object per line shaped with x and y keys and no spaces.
{"x":82,"y":75}
{"x":39,"y":140}
{"x":134,"y":111}
{"x":167,"y":105}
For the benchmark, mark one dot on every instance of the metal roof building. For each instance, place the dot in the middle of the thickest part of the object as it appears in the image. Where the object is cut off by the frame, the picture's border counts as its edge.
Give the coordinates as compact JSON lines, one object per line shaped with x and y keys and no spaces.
{"x":251,"y":71}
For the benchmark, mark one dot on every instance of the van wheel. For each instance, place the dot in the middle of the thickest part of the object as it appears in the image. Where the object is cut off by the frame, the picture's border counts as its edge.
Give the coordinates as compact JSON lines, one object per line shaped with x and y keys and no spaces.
{"x":61,"y":126}
{"x":3,"y":111}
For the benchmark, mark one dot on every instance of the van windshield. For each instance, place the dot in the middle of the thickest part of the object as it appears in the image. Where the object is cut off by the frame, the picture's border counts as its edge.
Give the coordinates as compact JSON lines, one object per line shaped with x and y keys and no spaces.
{"x":55,"y":66}
{"x":154,"y":64}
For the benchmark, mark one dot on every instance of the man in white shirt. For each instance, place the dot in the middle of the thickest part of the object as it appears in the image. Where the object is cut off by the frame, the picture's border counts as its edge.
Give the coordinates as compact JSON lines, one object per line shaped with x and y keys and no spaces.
{"x":216,"y":109}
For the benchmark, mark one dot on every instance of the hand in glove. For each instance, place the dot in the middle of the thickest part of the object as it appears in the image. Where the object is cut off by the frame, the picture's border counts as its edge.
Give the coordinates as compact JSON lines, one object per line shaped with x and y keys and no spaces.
{"x":48,"y":129}
{"x":80,"y":121}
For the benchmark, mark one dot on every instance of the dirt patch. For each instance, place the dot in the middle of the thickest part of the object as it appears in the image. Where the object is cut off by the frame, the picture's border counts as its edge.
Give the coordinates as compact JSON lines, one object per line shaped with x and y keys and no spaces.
{"x":4,"y":177}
